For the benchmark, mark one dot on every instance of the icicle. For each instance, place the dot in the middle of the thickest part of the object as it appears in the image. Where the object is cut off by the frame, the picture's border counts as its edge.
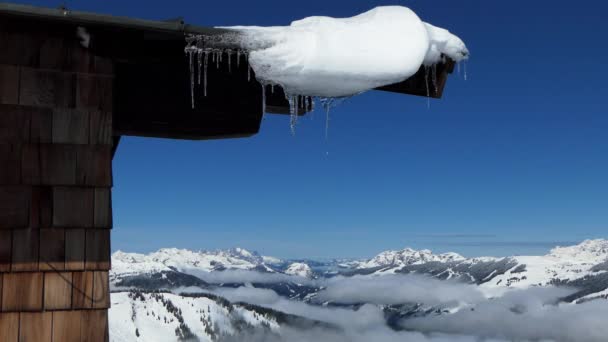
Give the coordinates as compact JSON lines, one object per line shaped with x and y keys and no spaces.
{"x":426,"y":82}
{"x":326,"y":103}
{"x":238,"y":58}
{"x":229,"y":62}
{"x":217,"y":59}
{"x":263,"y":101}
{"x":293,"y":111}
{"x":205,"y":63}
{"x":465,"y":70}
{"x":199,"y":57}
{"x":458,"y":68}
{"x":248,"y":72}
{"x":434,"y":77}
{"x":272,"y":88}
{"x":191,"y":55}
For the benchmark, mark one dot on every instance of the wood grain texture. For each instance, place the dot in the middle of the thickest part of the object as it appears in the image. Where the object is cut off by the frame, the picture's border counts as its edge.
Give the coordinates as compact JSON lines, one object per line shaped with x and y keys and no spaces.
{"x":22,"y":291}
{"x":100,"y":127}
{"x":9,"y":327}
{"x":45,"y":88}
{"x":97,"y":249}
{"x":82,"y":292}
{"x":57,"y":290}
{"x":94,"y":92}
{"x":67,"y":326}
{"x":36,"y":327}
{"x":103,"y":208}
{"x":70,"y":126}
{"x":52,"y":249}
{"x":101,"y":290}
{"x":94,"y":326}
{"x":73,"y":207}
{"x":74,"y":249}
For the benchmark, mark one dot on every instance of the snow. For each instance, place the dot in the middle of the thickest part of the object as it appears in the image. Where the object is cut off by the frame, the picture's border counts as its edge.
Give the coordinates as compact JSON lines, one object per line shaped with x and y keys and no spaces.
{"x":408,"y":256}
{"x":183,"y":260}
{"x":154,"y":322}
{"x":340,"y":57}
{"x":299,"y":269}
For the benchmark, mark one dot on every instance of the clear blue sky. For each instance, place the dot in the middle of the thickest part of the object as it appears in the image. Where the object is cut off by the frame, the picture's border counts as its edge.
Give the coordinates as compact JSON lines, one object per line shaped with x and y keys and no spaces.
{"x":511,"y":161}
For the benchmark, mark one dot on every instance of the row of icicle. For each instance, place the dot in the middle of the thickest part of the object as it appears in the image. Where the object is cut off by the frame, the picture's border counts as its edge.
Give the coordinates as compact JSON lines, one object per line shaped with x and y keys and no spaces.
{"x":199,"y":54}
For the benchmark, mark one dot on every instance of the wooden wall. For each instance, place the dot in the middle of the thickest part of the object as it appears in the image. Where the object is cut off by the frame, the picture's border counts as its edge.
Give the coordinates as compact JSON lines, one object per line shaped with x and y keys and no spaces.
{"x":55,"y":186}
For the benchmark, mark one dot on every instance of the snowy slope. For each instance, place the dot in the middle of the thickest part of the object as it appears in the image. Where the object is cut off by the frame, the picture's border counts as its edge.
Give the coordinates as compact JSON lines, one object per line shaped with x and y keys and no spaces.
{"x":150,"y":317}
{"x":299,"y":269}
{"x":173,"y":259}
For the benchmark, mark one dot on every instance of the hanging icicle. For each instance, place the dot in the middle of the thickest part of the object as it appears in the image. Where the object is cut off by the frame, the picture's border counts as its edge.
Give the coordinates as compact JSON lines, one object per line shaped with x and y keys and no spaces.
{"x":191,"y":56}
{"x":426,"y":83}
{"x":205,"y":63}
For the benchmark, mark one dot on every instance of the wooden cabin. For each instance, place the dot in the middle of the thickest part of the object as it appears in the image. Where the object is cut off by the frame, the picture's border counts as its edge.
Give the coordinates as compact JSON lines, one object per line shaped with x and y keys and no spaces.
{"x":64,"y":104}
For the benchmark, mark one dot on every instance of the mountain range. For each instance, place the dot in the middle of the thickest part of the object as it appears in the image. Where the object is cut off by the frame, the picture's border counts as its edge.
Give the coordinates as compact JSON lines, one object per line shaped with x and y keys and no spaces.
{"x":176,"y":294}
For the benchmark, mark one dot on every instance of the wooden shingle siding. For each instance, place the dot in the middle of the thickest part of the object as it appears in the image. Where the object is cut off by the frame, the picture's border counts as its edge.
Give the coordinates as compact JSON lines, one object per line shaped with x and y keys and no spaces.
{"x":41,"y":208}
{"x":97,"y":249}
{"x":9,"y":84}
{"x":52,"y":249}
{"x":10,"y":163}
{"x":22,"y":291}
{"x":70,"y":126}
{"x":74,"y":249}
{"x":56,"y":139}
{"x":6,"y":242}
{"x":101,"y":290}
{"x":36,"y":327}
{"x":57,"y":291}
{"x":9,"y":327}
{"x":94,"y":322}
{"x":94,"y":92}
{"x":44,"y":88}
{"x":26,"y":244}
{"x":100,"y":127}
{"x":82,"y":294}
{"x":67,"y":326}
{"x":103,"y":208}
{"x":14,"y":124}
{"x":14,"y":206}
{"x":73,"y":207}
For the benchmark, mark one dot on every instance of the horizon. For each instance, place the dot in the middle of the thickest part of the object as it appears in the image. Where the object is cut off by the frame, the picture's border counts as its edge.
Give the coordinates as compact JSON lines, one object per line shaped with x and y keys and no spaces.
{"x":543,"y":248}
{"x":508,"y":162}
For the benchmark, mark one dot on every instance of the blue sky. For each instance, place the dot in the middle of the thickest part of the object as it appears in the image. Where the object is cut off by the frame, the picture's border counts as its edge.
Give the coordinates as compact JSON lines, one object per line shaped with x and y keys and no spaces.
{"x":511,"y":161}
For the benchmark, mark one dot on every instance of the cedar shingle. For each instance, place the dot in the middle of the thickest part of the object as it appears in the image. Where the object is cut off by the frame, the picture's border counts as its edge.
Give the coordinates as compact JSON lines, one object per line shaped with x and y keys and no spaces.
{"x":52,"y":249}
{"x":57,"y":290}
{"x":26,"y":244}
{"x":22,"y":291}
{"x":14,"y":206}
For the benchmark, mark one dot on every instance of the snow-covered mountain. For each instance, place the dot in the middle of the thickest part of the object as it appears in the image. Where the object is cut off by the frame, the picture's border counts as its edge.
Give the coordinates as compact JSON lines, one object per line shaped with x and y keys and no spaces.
{"x":205,"y":317}
{"x":299,"y":269}
{"x":406,"y":257}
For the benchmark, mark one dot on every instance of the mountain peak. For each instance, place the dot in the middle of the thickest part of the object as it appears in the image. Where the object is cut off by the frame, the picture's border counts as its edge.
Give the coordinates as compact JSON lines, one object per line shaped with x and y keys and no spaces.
{"x":299,"y":269}
{"x":408,"y":256}
{"x":586,"y":251}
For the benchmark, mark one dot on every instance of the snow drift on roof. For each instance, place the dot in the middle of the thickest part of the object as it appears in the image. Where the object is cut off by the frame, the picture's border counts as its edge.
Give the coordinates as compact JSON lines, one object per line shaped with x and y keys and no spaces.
{"x":338,"y":57}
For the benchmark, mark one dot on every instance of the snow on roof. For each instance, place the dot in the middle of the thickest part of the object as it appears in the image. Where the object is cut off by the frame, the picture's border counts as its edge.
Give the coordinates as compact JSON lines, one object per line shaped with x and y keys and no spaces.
{"x":340,"y":57}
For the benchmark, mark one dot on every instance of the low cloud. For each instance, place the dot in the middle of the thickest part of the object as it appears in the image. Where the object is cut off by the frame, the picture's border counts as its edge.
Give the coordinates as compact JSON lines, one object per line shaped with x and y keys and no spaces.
{"x":245,"y":276}
{"x":535,"y":314}
{"x":397,"y":289}
{"x":526,"y":315}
